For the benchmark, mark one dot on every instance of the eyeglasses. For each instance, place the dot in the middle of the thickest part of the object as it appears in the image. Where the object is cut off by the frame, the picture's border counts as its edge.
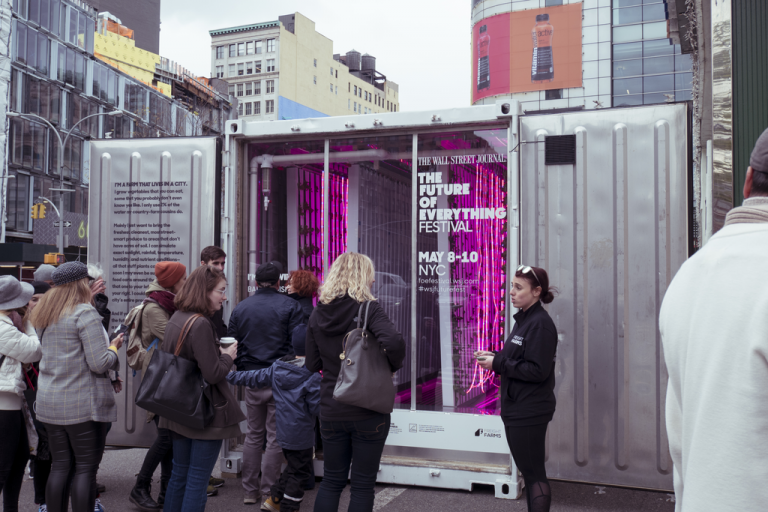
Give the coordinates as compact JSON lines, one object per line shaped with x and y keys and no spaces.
{"x":221,"y":292}
{"x":524,"y":269}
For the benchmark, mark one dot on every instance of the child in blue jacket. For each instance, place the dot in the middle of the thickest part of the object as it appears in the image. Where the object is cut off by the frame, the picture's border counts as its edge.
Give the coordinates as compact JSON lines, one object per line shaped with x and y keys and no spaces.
{"x":297,"y":403}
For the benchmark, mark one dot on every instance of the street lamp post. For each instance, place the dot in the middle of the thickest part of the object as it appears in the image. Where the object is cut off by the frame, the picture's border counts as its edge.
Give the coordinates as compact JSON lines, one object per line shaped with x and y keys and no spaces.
{"x":62,"y":143}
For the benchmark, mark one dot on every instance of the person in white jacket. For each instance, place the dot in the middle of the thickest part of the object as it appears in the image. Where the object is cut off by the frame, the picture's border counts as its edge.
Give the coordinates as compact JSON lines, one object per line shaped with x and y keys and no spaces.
{"x":16,"y":348}
{"x":714,"y":332}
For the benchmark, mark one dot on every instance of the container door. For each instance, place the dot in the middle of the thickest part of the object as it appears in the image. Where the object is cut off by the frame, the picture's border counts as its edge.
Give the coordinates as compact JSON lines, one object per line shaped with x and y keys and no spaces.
{"x":607,"y":217}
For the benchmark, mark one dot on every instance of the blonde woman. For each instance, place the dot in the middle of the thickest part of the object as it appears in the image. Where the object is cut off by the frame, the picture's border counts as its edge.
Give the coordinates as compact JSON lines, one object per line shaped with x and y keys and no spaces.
{"x":348,"y":432}
{"x":75,"y":399}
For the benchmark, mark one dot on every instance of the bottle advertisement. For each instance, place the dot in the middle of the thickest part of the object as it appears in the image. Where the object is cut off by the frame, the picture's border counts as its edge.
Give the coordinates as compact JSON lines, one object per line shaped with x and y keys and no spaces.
{"x":531,"y":50}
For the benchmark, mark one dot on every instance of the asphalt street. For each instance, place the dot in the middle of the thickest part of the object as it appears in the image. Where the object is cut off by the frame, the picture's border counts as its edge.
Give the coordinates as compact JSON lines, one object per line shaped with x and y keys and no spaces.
{"x":119,"y":467}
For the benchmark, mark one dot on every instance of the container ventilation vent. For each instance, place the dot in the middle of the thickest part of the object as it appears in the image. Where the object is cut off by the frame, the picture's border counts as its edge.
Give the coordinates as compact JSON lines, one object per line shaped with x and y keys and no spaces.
{"x":560,"y":150}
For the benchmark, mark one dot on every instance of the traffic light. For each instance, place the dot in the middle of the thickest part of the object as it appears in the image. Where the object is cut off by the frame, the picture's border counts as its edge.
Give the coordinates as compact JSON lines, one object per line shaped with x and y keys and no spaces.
{"x":34,"y":211}
{"x":41,"y":211}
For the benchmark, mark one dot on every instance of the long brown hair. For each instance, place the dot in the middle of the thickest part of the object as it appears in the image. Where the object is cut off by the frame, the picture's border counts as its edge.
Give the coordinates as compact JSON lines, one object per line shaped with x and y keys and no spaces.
{"x":60,"y":301}
{"x":193,"y":296}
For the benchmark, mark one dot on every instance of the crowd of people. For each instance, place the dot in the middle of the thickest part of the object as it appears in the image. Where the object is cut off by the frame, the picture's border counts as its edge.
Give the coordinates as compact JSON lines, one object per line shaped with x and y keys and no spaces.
{"x":58,"y":380}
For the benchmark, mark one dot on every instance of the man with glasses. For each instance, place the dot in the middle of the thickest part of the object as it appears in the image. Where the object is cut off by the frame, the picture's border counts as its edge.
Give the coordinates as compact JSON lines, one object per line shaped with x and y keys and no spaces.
{"x":262,"y":325}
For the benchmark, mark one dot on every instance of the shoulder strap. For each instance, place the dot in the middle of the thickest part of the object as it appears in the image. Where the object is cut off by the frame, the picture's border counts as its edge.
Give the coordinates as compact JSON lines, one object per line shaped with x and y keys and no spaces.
{"x":359,"y":314}
{"x":184,"y":331}
{"x":367,"y":307}
{"x":2,"y":360}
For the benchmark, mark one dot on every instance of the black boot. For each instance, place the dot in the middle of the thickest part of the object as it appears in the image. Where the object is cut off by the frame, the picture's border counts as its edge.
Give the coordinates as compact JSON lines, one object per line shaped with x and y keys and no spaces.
{"x":141,"y":497}
{"x":161,"y":496}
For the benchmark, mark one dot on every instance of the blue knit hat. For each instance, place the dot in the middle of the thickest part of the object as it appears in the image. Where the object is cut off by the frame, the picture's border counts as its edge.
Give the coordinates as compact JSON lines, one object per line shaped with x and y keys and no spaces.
{"x":69,"y":273}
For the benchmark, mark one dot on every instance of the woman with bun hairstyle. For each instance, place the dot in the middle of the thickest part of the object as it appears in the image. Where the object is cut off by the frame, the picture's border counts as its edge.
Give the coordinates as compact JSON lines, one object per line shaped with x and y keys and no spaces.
{"x":526,"y":366}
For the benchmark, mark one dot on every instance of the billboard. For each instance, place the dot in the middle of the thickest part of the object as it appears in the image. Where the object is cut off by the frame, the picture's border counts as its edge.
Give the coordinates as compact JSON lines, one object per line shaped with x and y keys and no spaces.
{"x":531,"y":50}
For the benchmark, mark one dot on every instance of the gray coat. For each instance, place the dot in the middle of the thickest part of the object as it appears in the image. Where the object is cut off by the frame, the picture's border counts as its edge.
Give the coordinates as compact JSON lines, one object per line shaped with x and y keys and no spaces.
{"x":73,"y":386}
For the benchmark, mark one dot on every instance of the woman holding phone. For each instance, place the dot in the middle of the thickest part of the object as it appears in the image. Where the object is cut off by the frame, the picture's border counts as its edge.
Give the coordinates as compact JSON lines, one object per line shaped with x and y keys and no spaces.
{"x":526,"y":366}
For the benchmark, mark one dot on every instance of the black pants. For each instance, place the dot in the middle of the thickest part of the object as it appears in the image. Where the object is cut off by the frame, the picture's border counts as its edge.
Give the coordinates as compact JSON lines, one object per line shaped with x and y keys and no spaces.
{"x":42,"y":470}
{"x":289,"y":490}
{"x":14,"y":453}
{"x":527,"y":446}
{"x":159,"y":454}
{"x":78,"y":449}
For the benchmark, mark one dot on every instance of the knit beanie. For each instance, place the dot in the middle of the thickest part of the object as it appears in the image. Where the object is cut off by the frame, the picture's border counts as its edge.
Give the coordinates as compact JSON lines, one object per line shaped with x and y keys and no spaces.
{"x":43,"y":273}
{"x":69,"y":273}
{"x":168,"y":273}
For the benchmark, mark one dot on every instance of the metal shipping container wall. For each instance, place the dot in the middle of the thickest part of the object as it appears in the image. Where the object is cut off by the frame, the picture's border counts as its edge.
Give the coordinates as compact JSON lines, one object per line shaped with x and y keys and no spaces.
{"x":750,"y":76}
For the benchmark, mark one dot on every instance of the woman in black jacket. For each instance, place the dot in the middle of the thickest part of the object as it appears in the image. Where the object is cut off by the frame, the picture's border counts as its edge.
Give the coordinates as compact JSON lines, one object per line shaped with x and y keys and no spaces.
{"x":526,"y":366}
{"x":348,"y":432}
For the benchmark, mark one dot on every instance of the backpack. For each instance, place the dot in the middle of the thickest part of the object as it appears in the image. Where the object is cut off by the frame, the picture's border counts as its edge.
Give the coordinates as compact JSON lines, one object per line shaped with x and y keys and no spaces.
{"x":134,"y":350}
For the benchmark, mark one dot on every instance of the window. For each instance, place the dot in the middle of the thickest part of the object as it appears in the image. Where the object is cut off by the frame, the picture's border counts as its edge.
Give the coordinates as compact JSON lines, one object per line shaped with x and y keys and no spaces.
{"x":331,"y":71}
{"x":231,"y":70}
{"x":18,"y":204}
{"x":239,"y":109}
{"x":257,"y":87}
{"x":257,"y":107}
{"x":270,"y":106}
{"x":249,"y":48}
{"x":233,"y":50}
{"x":240,"y":49}
{"x":315,"y":62}
{"x":314,"y":80}
{"x":355,"y":90}
{"x":337,"y":73}
{"x":270,"y":65}
{"x":270,"y":87}
{"x":231,"y":89}
{"x":331,"y":88}
{"x":366,"y":95}
{"x":355,"y":107}
{"x":249,"y":68}
{"x":349,"y":104}
{"x":257,"y":67}
{"x":219,"y":52}
{"x":248,"y":88}
{"x":239,"y":90}
{"x":241,"y":69}
{"x":248,"y":108}
{"x":219,"y":72}
{"x":258,"y":47}
{"x":349,"y":85}
{"x":337,"y":90}
{"x":270,"y":45}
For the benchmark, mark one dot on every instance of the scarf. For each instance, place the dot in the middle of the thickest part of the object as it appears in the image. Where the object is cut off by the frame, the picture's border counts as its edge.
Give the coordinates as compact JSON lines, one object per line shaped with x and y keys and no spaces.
{"x":754,"y":211}
{"x":164,"y":300}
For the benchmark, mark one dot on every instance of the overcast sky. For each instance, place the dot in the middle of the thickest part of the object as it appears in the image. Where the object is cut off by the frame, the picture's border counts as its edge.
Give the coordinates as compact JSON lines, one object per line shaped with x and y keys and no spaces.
{"x":423,"y":45}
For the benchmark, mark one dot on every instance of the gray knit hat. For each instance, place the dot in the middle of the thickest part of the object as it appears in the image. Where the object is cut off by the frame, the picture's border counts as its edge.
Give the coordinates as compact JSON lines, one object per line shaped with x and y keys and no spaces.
{"x":69,"y":273}
{"x":43,"y":273}
{"x":14,"y":294}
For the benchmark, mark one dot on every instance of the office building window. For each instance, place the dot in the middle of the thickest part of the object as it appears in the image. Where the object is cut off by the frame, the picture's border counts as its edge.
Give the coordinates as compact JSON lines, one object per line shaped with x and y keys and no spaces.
{"x":258,"y":47}
{"x":315,"y":62}
{"x":233,"y":50}
{"x":270,"y":106}
{"x":257,"y":67}
{"x":249,"y":47}
{"x":270,"y":87}
{"x":337,"y":90}
{"x":355,"y":90}
{"x":219,"y":71}
{"x":249,"y":68}
{"x":231,"y":89}
{"x":240,"y":69}
{"x":239,"y":109}
{"x":257,"y":87}
{"x":331,"y":88}
{"x":355,"y":107}
{"x":270,"y":65}
{"x":349,"y":104}
{"x":248,"y":88}
{"x":270,"y":45}
{"x":219,"y":52}
{"x":257,"y":107}
{"x":232,"y":70}
{"x":239,"y":90}
{"x":314,"y":80}
{"x":248,"y":111}
{"x":240,"y":49}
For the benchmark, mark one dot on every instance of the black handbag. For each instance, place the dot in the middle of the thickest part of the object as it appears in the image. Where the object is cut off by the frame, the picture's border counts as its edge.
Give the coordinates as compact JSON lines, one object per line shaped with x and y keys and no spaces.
{"x":174,"y":387}
{"x":365,"y":377}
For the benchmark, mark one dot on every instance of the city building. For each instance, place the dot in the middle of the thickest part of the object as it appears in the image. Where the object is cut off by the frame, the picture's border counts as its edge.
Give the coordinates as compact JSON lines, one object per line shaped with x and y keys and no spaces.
{"x":59,"y":75}
{"x":143,"y":16}
{"x":285,"y":69}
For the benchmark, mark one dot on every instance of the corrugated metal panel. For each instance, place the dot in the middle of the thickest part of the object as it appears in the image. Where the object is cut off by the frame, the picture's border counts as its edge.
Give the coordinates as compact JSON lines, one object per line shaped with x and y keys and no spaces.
{"x":750,"y":76}
{"x":611,"y":230}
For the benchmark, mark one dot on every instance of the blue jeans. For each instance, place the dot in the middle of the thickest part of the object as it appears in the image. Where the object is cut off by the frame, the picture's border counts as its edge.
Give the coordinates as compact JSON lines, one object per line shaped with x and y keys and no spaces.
{"x":193,"y":461}
{"x":359,"y":443}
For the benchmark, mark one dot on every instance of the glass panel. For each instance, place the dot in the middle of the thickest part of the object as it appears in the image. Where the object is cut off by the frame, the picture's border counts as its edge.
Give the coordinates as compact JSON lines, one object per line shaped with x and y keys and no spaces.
{"x":658,"y":83}
{"x":624,"y":16}
{"x":45,"y":14}
{"x":627,"y":68}
{"x":61,"y":74}
{"x":72,"y":26}
{"x":55,"y":104}
{"x":17,"y":141}
{"x":79,"y":71}
{"x":22,"y":202}
{"x":654,"y":12}
{"x":104,"y":91}
{"x":629,"y":33}
{"x":461,"y":269}
{"x":657,"y":47}
{"x":625,"y":3}
{"x":683,"y":63}
{"x":659,"y":65}
{"x":32,"y":48}
{"x":38,"y":151}
{"x":42,"y":54}
{"x":21,"y":43}
{"x":34,"y":11}
{"x":628,"y":86}
{"x":112,"y":88}
{"x":45,"y":99}
{"x":90,"y":28}
{"x":655,"y":98}
{"x":53,"y":152}
{"x":683,"y":95}
{"x":683,"y":81}
{"x":55,"y":16}
{"x":651,"y":30}
{"x":27,"y":148}
{"x":70,"y":70}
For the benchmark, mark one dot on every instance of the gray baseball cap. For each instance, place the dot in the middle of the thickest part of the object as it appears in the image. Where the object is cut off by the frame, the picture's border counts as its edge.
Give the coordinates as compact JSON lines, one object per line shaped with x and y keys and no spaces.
{"x":759,"y":159}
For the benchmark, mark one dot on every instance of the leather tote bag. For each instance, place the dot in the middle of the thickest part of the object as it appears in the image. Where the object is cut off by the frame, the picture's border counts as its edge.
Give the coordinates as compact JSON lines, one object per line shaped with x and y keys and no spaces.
{"x":174,"y":387}
{"x":365,"y":377}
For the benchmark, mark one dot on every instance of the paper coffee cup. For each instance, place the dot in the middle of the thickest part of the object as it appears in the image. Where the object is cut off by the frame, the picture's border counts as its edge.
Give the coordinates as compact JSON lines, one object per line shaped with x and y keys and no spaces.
{"x":225,"y":342}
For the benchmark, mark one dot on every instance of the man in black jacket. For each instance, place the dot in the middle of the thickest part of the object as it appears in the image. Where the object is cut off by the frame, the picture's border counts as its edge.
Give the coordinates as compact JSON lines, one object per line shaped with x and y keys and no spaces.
{"x":263,"y":325}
